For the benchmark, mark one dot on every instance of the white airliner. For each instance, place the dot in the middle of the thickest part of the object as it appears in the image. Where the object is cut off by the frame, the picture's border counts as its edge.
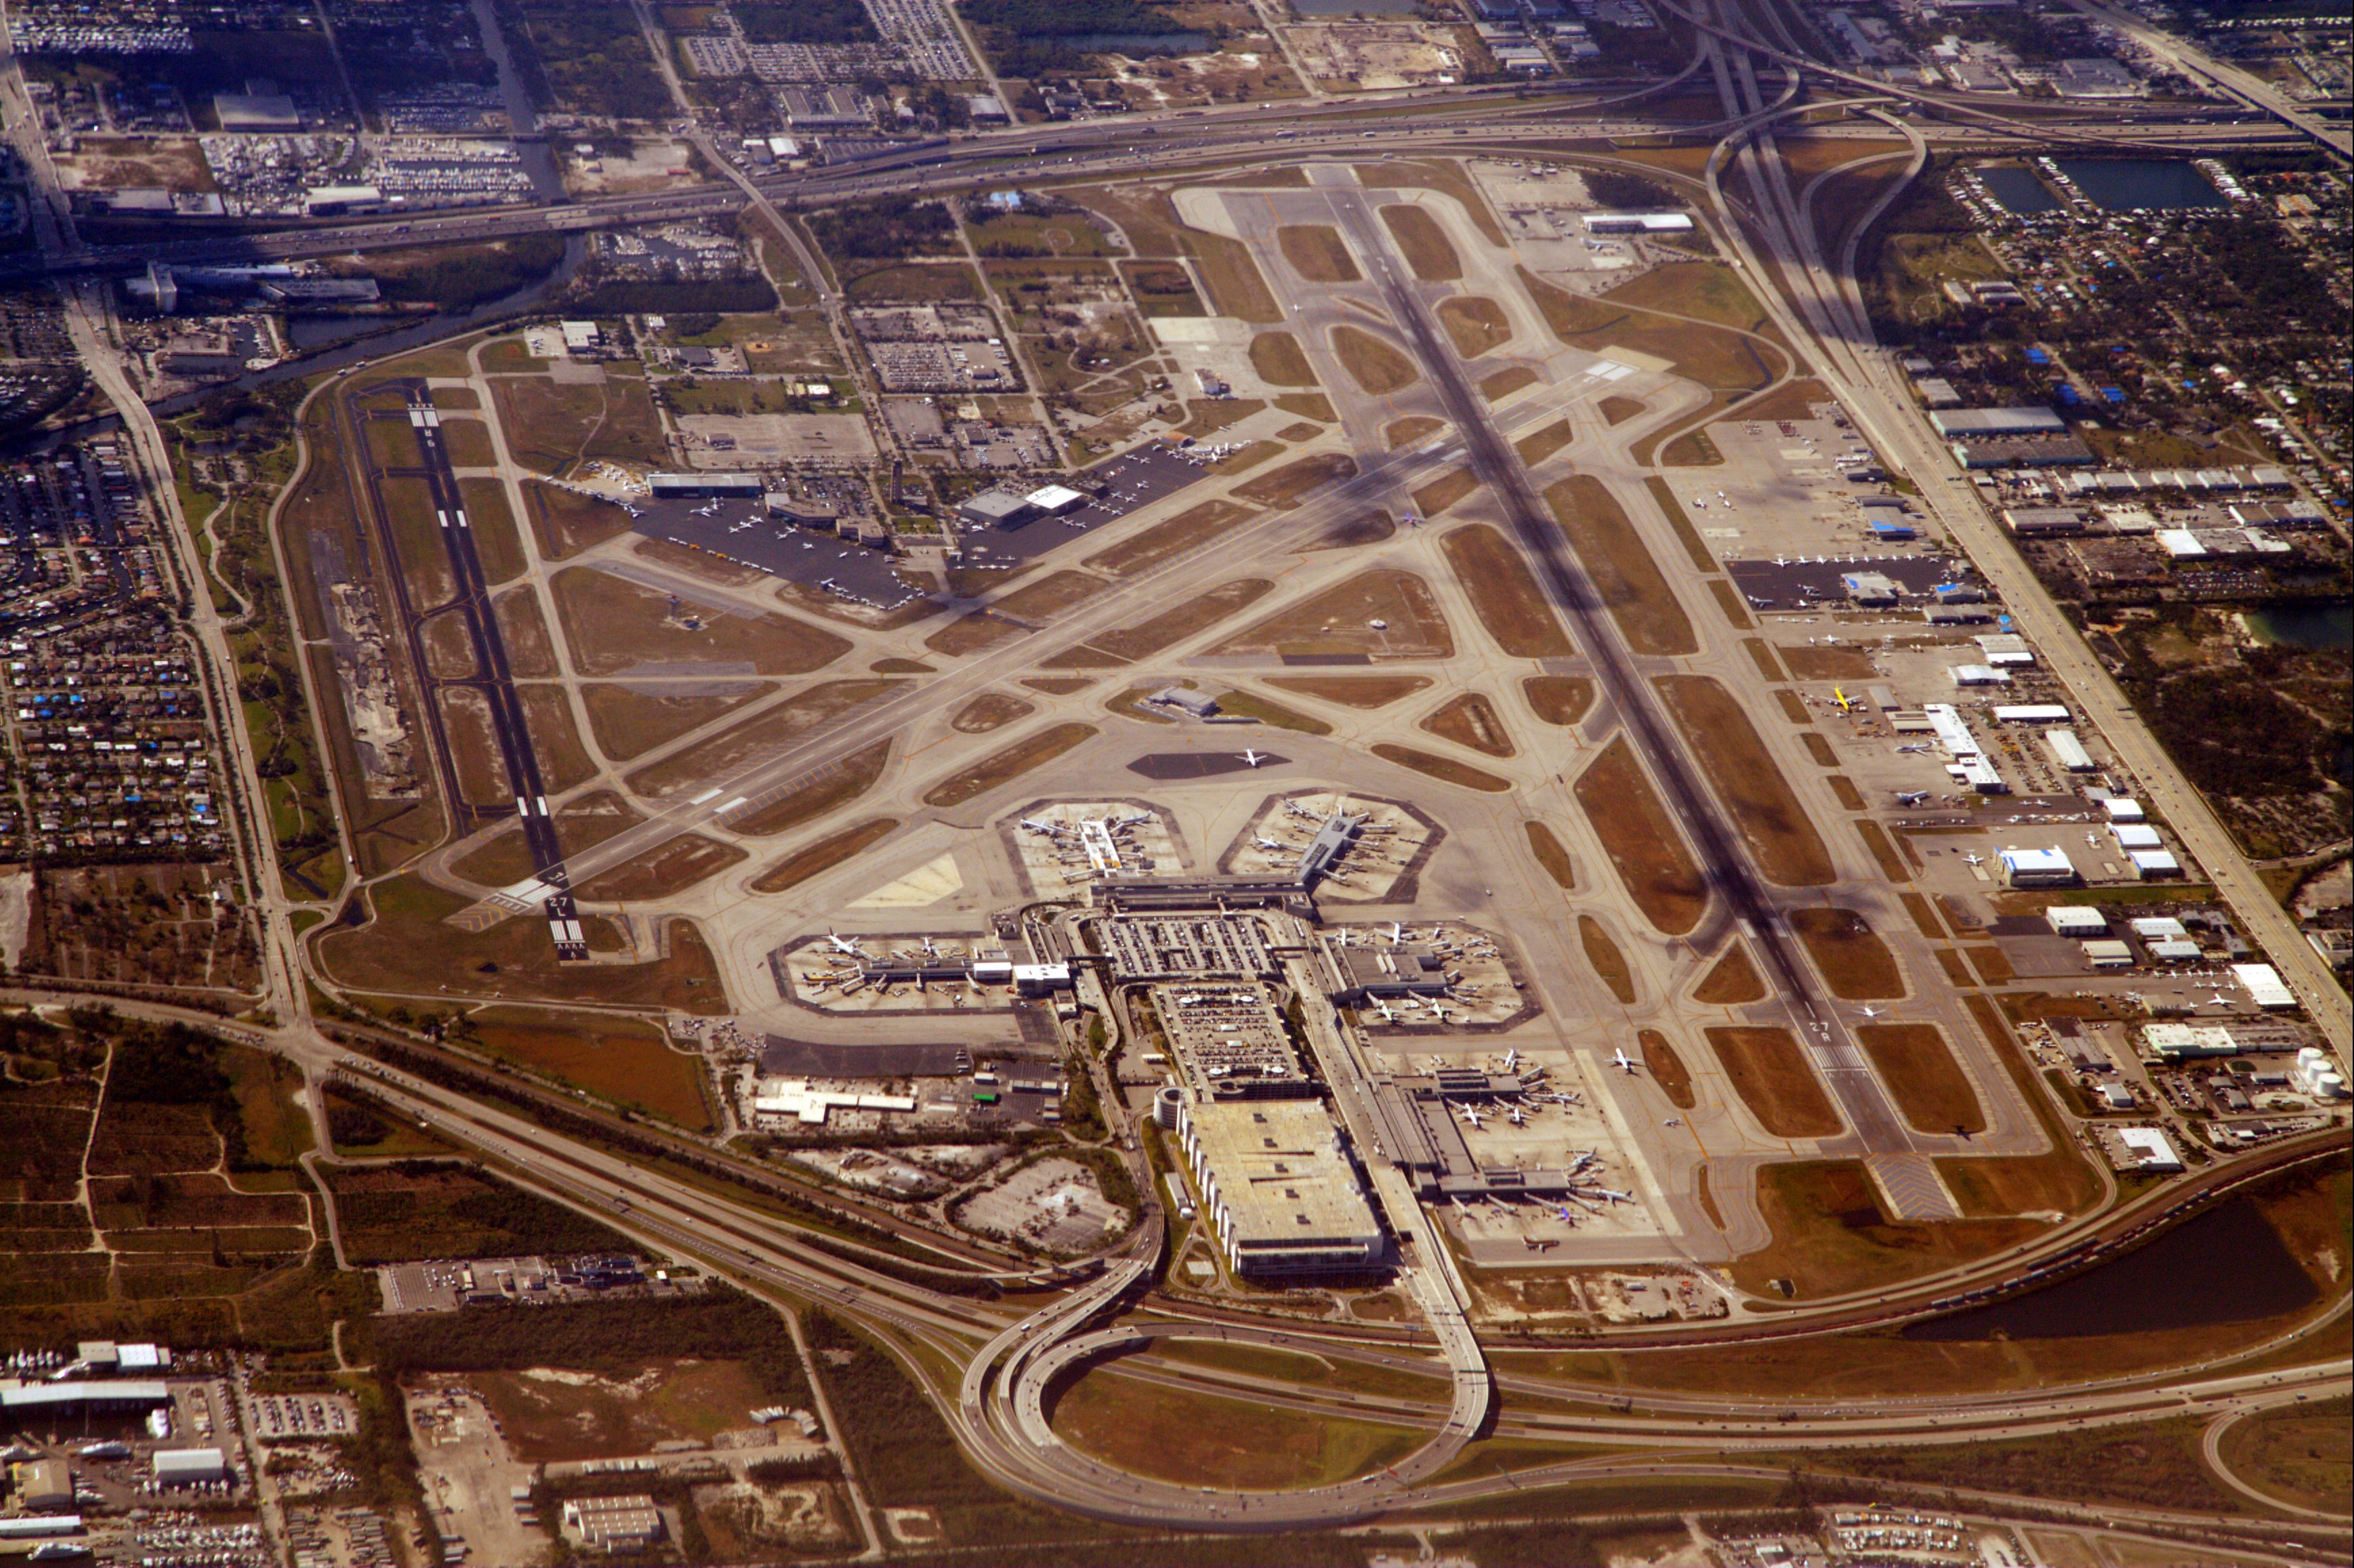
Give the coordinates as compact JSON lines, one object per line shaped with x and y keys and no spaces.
{"x":1252,"y":758}
{"x":1384,"y":1009}
{"x":1619,"y":1054}
{"x":1911,"y":797}
{"x":1263,"y":841}
{"x":932,"y":952}
{"x":1512,"y":1058}
{"x":1975,"y":859}
{"x":1871,"y":1011}
{"x":1052,"y":830}
{"x":1519,"y":1118}
{"x":1470,"y":1116}
{"x":1397,"y":933}
{"x":844,"y":944}
{"x":2218,"y":1000}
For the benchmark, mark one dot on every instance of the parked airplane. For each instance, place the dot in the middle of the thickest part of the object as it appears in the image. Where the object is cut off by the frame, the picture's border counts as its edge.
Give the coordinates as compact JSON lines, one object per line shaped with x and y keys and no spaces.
{"x":1052,"y":830}
{"x":1975,"y":859}
{"x":1619,"y":1054}
{"x":1470,"y":1116}
{"x":1519,"y":1117}
{"x":1911,"y":797}
{"x":2218,"y":1000}
{"x":1397,"y":933}
{"x":1252,"y":758}
{"x":1512,"y":1058}
{"x":1383,"y":1008}
{"x":1263,"y":841}
{"x":1845,"y":704}
{"x":844,"y":945}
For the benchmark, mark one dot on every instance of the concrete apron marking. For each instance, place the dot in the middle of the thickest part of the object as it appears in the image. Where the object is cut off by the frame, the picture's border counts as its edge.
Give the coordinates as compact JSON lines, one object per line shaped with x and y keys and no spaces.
{"x":1913,"y":1187}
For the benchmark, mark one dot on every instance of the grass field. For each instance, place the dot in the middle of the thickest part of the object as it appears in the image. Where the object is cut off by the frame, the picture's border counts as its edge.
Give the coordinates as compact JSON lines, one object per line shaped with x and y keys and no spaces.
{"x":554,"y":1417}
{"x":1552,"y":856}
{"x":1558,"y":699}
{"x":473,"y":747}
{"x":496,"y":540}
{"x":410,"y":947}
{"x":1232,"y":279}
{"x":830,"y":788}
{"x":579,"y":825}
{"x":1050,"y":596}
{"x":566,"y":522}
{"x":551,"y":426}
{"x":1250,"y":705}
{"x":804,"y":712}
{"x":1004,"y":765}
{"x":1667,"y":1068}
{"x":381,"y":1136}
{"x":1539,"y":445}
{"x":1510,"y":605}
{"x":665,"y":871}
{"x":612,"y":625}
{"x":823,"y":855}
{"x":1188,"y":530}
{"x":1624,"y":574}
{"x":1471,"y":720}
{"x":2301,"y":1455}
{"x":1928,"y":1085}
{"x":1170,"y":627}
{"x":1340,"y":620}
{"x":531,"y":651}
{"x":448,"y":645}
{"x":1733,"y":981}
{"x":1644,"y":847}
{"x":392,"y":1214}
{"x":1617,"y":410}
{"x":1306,"y":406}
{"x":1771,"y":1073}
{"x":468,"y":442}
{"x":1444,"y":491}
{"x":1830,"y":1235}
{"x":1208,"y":1441}
{"x":1440,"y":174}
{"x":1317,"y":253}
{"x":1376,"y":367}
{"x":1281,"y":361}
{"x":629,"y":722}
{"x":1609,"y":964}
{"x":564,"y":762}
{"x":915,"y":284}
{"x":1505,"y":382}
{"x":1787,"y":849}
{"x":1284,"y":488}
{"x":1353,"y":691}
{"x":1475,"y":324}
{"x":417,"y":542}
{"x":991,"y":710}
{"x":1423,"y":243}
{"x":622,"y":1060}
{"x":1445,"y":769}
{"x":1855,"y":962}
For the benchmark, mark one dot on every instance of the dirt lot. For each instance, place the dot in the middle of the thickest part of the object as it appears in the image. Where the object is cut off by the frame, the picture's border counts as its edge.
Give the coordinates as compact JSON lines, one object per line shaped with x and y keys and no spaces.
{"x":799,"y":714}
{"x":835,"y":785}
{"x":1475,"y":322}
{"x":1284,"y":487}
{"x":566,"y":522}
{"x":1012,"y":762}
{"x":1733,"y":981}
{"x":1471,"y":720}
{"x":1856,"y":964}
{"x":1609,"y":963}
{"x":1558,"y":699}
{"x":1317,"y":253}
{"x":613,"y":625}
{"x":1542,"y":444}
{"x":1774,"y":1081}
{"x":1339,"y":620}
{"x":1353,"y":691}
{"x":663,"y":872}
{"x":1624,"y":574}
{"x":1445,"y":769}
{"x":1787,"y":849}
{"x":1423,"y":243}
{"x":991,"y":710}
{"x":551,"y":426}
{"x":1928,"y":1084}
{"x":1667,"y":1068}
{"x":629,"y":723}
{"x":1510,"y":605}
{"x":549,"y":1415}
{"x":582,"y":824}
{"x":1376,"y":367}
{"x":1279,"y":360}
{"x":1642,"y":842}
{"x":823,"y":855}
{"x":1552,"y":855}
{"x":1194,"y":526}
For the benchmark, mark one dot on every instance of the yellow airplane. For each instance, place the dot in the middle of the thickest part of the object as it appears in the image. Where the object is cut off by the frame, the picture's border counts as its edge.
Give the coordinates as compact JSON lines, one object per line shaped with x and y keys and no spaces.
{"x":1838,"y":695}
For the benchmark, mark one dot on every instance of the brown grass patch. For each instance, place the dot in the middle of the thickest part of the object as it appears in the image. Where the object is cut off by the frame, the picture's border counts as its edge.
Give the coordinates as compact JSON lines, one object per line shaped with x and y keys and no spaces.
{"x":475,"y":752}
{"x":1642,"y":840}
{"x":1993,"y":967}
{"x":1725,"y":362}
{"x":496,"y":540}
{"x":1058,"y":685}
{"x":1539,"y":445}
{"x":1510,"y":605}
{"x":989,"y":711}
{"x":424,"y":559}
{"x":624,"y":1060}
{"x":1793,"y":706}
{"x":1471,"y":720}
{"x":1444,"y":491}
{"x":1787,"y":849}
{"x":1552,"y":855}
{"x":1170,"y":627}
{"x":1340,"y":620}
{"x":1504,"y":383}
{"x":1624,"y":575}
{"x":504,"y":859}
{"x":1317,"y":253}
{"x":1353,"y":691}
{"x":1924,"y":920}
{"x":1827,"y":663}
{"x":1830,"y":1236}
{"x":828,"y":789}
{"x":1302,"y":431}
{"x":1680,"y":521}
{"x":1791,"y":400}
{"x":1365,"y":528}
{"x":1891,"y":865}
{"x":670,"y":868}
{"x":631,"y":723}
{"x":823,"y":855}
{"x":1729,"y":604}
{"x":700,"y":564}
{"x":468,"y":443}
{"x":1281,"y":361}
{"x":1558,"y":699}
{"x":1762,"y":655}
{"x":1423,"y":243}
{"x":1957,"y":973}
{"x":1285,"y":487}
{"x":1376,"y":367}
{"x":564,"y":762}
{"x":1475,"y":324}
{"x":1307,"y":406}
{"x":1050,"y":596}
{"x":1617,"y":410}
{"x":1609,"y":964}
{"x":550,"y":424}
{"x":1445,"y":769}
{"x":1733,"y":981}
{"x":1774,"y":1081}
{"x":797,"y":717}
{"x":612,"y":625}
{"x":1667,"y":1070}
{"x":1205,"y":416}
{"x":1928,"y":1085}
{"x":1818,"y":746}
{"x":1407,"y":431}
{"x":1004,"y":765}
{"x":1844,"y":791}
{"x":1236,"y":288}
{"x":1856,"y":964}
{"x":971,"y":633}
{"x":1442,"y":176}
{"x":1194,"y":526}
{"x":449,"y":639}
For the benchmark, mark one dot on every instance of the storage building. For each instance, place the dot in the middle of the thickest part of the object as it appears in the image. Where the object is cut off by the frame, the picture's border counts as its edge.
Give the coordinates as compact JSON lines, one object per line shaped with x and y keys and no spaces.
{"x":2068,"y":751}
{"x":1053,"y":500}
{"x":2109,"y":953}
{"x":2075,"y":920}
{"x":627,"y":1523}
{"x":994,"y":509}
{"x":2031,"y":712}
{"x":2135,"y":836}
{"x":42,"y":1486}
{"x":2123,"y":809}
{"x":2154,"y":865}
{"x":2038,"y":868}
{"x":188,"y":1467}
{"x":2262,"y":984}
{"x":1979,"y":675}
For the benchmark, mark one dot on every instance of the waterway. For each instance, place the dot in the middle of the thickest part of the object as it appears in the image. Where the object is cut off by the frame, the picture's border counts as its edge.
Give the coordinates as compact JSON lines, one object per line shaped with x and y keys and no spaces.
{"x":2303,"y":625}
{"x":2227,"y":1266}
{"x":2020,"y":193}
{"x":2125,"y":185}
